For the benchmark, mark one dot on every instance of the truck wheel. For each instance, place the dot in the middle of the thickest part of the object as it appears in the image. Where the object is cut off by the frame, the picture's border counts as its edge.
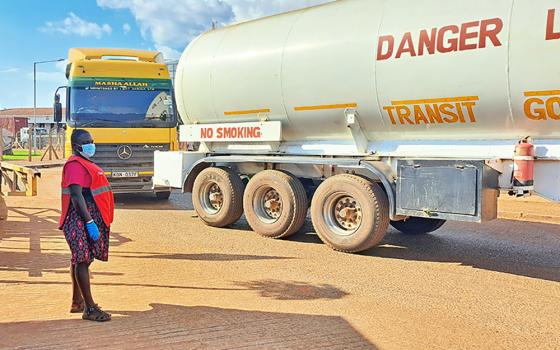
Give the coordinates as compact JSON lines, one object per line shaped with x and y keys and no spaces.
{"x":275,"y":204}
{"x":217,"y":196}
{"x":350,"y":213}
{"x":417,"y":226}
{"x":163,"y":196}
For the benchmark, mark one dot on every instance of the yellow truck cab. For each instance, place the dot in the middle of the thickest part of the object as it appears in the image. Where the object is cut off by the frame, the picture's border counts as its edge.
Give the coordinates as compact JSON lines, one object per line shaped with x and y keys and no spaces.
{"x":124,"y":98}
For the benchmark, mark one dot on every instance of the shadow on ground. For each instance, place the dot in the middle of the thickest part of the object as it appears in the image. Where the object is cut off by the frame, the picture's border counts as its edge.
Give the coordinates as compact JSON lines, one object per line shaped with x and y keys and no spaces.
{"x":204,"y":257}
{"x":281,"y":290}
{"x":514,"y":247}
{"x":274,"y":289}
{"x":116,"y":284}
{"x":34,"y":226}
{"x":182,"y":327}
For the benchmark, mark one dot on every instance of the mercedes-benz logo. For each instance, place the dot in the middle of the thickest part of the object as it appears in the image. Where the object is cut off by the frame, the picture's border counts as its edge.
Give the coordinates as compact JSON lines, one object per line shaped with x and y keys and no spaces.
{"x":124,"y":152}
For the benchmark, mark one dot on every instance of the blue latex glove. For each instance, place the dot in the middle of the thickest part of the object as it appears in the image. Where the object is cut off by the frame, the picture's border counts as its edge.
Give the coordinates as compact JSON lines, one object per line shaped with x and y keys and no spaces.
{"x":93,"y":230}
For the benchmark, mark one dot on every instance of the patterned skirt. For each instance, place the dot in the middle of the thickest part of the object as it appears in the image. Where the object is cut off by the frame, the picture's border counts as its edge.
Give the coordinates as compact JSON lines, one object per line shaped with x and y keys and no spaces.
{"x":84,"y":249}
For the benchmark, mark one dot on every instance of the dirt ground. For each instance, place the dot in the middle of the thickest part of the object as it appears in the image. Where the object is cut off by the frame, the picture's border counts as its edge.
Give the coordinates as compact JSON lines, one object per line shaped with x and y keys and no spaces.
{"x":172,"y":282}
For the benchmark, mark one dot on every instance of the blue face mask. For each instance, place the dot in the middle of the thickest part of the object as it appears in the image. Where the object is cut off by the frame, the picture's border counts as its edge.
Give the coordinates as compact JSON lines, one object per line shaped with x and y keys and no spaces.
{"x":88,"y":150}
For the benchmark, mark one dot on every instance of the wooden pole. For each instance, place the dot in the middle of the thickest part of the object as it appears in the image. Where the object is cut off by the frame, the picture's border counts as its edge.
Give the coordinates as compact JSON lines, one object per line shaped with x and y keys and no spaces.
{"x":63,"y":143}
{"x":50,"y":148}
{"x":3,"y":209}
{"x":50,"y":143}
{"x":30,"y":141}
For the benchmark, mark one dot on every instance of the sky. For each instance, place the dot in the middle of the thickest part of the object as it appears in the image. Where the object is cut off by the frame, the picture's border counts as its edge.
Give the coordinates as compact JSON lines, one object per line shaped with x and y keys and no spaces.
{"x":39,"y":30}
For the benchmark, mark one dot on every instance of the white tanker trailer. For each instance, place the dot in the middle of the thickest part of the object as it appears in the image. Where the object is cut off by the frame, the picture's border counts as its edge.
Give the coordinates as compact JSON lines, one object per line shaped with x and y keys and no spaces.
{"x":400,"y":112}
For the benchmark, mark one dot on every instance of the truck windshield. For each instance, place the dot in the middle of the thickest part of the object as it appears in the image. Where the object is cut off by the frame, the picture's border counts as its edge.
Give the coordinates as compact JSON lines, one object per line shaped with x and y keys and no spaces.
{"x":133,"y":108}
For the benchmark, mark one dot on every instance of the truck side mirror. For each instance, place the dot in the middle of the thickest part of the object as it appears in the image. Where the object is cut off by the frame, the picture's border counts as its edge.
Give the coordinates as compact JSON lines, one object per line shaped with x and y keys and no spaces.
{"x":57,"y":106}
{"x":57,"y":109}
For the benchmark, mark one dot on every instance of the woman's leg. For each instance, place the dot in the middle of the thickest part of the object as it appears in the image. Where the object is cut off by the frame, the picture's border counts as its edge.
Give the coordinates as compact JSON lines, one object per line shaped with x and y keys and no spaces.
{"x":76,"y":294}
{"x":92,"y":312}
{"x":82,"y":277}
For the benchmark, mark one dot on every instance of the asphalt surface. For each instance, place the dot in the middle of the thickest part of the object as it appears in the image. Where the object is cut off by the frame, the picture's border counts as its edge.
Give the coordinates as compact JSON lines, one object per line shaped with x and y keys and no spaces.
{"x":172,"y":282}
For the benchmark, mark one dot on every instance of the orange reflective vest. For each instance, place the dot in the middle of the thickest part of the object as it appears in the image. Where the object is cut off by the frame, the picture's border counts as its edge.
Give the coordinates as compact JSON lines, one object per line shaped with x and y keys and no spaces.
{"x":100,"y":189}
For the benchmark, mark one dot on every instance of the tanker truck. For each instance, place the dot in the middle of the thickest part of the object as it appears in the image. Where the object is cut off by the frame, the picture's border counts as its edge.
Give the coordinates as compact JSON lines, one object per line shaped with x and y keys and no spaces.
{"x":370,"y":113}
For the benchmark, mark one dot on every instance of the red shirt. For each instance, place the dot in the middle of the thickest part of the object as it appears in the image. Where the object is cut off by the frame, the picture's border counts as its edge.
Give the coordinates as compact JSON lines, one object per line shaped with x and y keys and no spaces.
{"x":76,"y":174}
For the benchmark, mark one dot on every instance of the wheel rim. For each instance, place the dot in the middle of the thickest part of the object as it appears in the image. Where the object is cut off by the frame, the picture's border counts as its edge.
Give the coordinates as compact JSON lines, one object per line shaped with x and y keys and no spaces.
{"x":211,"y":198}
{"x":268,"y":205}
{"x":343,"y":214}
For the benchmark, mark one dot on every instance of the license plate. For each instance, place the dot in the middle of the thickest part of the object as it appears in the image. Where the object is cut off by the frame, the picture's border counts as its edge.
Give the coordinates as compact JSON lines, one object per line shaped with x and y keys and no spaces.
{"x":124,"y":174}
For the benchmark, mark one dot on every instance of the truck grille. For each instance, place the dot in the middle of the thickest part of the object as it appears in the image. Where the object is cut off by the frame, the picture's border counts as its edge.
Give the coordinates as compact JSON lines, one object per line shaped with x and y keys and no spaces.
{"x":133,"y":157}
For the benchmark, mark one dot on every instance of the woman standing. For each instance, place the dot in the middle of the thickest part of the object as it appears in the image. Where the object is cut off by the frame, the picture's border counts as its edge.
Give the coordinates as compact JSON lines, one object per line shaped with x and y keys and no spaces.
{"x":87,"y":214}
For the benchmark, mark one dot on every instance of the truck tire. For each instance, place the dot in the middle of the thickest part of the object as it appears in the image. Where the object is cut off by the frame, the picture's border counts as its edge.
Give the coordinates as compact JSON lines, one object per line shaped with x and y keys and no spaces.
{"x":163,"y":196}
{"x":217,"y":196}
{"x":417,"y":226}
{"x":350,"y":213}
{"x":275,"y":204}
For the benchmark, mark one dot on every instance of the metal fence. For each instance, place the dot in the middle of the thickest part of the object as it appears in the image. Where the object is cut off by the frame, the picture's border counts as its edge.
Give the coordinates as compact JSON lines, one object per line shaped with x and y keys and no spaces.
{"x":41,"y":142}
{"x":50,"y":144}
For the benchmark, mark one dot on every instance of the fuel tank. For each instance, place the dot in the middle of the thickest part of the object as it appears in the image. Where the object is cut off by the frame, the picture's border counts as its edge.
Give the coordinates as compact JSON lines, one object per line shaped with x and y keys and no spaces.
{"x":413,"y":70}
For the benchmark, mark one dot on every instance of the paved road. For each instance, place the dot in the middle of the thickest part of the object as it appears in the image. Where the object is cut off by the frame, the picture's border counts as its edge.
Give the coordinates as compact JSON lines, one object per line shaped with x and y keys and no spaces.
{"x":174,"y":283}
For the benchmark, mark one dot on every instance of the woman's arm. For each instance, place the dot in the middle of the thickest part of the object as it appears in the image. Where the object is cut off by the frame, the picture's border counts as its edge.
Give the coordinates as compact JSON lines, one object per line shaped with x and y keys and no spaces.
{"x":79,"y":202}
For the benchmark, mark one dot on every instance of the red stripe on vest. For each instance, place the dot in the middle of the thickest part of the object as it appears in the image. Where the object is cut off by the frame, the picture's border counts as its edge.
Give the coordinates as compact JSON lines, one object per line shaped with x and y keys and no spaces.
{"x":100,"y":189}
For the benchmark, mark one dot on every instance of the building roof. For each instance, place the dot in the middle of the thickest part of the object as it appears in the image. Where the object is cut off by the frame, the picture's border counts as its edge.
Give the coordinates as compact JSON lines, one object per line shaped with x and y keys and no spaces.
{"x":27,"y":112}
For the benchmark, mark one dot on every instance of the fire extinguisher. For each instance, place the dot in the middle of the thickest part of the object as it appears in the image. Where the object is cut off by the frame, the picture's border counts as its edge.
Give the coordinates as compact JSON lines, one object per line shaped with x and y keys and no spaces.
{"x":524,"y":164}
